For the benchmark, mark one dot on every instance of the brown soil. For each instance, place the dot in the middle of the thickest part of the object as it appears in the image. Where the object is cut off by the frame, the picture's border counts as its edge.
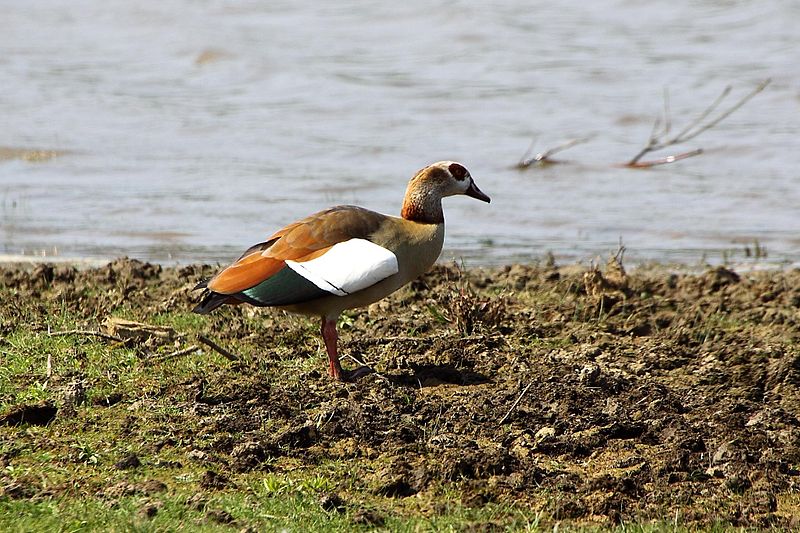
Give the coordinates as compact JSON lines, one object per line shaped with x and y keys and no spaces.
{"x":597,"y":396}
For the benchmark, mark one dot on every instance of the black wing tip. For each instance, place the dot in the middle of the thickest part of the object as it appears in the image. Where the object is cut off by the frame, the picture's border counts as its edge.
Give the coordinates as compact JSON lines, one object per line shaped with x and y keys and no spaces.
{"x":202,"y":285}
{"x":211,"y":300}
{"x":201,"y":309}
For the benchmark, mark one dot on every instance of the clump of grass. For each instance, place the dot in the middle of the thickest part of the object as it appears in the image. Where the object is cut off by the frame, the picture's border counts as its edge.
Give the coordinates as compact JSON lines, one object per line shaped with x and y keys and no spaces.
{"x":471,"y":313}
{"x":466,"y":310}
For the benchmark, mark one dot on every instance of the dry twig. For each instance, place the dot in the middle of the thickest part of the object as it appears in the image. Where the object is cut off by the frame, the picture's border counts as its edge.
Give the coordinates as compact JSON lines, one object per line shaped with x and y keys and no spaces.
{"x":371,"y":367}
{"x":356,"y":360}
{"x":217,"y":348}
{"x":543,"y":158}
{"x":514,"y":405}
{"x":661,"y":138}
{"x":179,"y":353}
{"x":664,"y":160}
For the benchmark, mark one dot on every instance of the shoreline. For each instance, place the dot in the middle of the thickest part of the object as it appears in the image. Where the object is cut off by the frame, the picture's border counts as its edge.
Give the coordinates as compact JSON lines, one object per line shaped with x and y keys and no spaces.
{"x":27,"y":261}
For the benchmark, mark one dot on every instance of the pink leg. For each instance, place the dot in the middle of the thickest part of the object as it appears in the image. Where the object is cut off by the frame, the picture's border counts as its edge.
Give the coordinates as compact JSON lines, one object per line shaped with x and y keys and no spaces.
{"x":331,"y":338}
{"x":335,"y":367}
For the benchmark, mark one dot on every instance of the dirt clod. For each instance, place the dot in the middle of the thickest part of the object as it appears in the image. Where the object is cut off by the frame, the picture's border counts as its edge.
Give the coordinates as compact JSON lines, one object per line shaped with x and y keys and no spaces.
{"x":220,"y":516}
{"x":128,"y":462}
{"x":332,"y":502}
{"x":153,"y":486}
{"x":149,"y":510}
{"x":368,"y":517}
{"x":213,"y":481}
{"x":197,"y":501}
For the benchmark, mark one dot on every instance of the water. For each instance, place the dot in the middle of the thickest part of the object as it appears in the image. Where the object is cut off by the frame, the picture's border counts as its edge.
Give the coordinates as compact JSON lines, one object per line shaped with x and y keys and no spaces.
{"x":192,"y":129}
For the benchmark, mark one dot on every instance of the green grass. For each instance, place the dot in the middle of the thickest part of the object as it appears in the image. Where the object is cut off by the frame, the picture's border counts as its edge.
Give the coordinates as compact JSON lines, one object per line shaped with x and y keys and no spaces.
{"x":231,"y":512}
{"x":293,"y":512}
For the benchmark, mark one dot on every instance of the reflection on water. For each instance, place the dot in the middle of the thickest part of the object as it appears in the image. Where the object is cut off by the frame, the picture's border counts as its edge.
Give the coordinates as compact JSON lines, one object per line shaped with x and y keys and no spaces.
{"x":188,"y":130}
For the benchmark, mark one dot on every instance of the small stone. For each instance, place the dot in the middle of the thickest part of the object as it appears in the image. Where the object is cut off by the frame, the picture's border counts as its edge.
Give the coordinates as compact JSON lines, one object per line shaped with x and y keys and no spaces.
{"x":197,"y":455}
{"x":723,"y":454}
{"x":544,"y":433}
{"x":589,"y":374}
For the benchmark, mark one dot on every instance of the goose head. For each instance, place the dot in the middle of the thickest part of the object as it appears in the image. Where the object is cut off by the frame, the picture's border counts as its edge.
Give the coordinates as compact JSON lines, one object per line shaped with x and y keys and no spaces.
{"x":423,"y":200}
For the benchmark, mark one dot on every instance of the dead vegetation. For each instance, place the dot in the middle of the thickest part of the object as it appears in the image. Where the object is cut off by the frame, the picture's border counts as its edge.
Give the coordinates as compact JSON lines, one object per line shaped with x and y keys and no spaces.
{"x":661,"y":136}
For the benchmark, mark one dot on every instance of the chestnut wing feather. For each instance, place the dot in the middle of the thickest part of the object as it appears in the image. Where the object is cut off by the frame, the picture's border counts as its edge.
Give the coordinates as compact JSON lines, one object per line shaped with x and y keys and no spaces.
{"x":303,"y":240}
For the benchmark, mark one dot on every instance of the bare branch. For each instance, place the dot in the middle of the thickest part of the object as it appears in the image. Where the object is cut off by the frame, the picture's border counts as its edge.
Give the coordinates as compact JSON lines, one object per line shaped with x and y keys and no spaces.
{"x":746,"y":98}
{"x":658,"y":141}
{"x":710,"y":109}
{"x":664,"y":160}
{"x":526,"y":160}
{"x":544,"y":157}
{"x":653,"y":140}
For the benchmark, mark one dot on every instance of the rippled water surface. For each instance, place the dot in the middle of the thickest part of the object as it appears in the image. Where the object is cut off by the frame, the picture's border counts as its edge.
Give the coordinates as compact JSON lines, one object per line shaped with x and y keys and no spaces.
{"x":188,"y":130}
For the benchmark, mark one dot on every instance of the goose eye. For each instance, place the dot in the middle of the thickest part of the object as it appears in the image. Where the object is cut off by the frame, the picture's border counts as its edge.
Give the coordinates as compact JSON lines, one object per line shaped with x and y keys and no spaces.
{"x":458,"y":172}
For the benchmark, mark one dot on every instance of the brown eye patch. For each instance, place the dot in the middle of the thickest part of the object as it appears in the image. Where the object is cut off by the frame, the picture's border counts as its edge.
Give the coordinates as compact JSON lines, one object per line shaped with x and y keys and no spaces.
{"x":458,"y":171}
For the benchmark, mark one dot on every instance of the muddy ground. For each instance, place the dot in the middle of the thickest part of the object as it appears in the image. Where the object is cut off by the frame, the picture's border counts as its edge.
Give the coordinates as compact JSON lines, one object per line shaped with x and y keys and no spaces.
{"x":592,"y":395}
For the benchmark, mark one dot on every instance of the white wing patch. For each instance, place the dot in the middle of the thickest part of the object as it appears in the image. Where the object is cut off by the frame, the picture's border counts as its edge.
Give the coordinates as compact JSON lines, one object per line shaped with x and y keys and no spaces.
{"x":348,"y":267}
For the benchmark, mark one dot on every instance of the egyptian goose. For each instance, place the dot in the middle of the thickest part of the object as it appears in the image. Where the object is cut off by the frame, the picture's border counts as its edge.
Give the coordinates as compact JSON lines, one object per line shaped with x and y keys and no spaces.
{"x":343,"y":257}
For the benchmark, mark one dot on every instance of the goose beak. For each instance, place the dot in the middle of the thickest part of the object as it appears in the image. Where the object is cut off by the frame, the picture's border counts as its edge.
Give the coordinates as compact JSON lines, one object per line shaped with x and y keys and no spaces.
{"x":476,"y":193}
